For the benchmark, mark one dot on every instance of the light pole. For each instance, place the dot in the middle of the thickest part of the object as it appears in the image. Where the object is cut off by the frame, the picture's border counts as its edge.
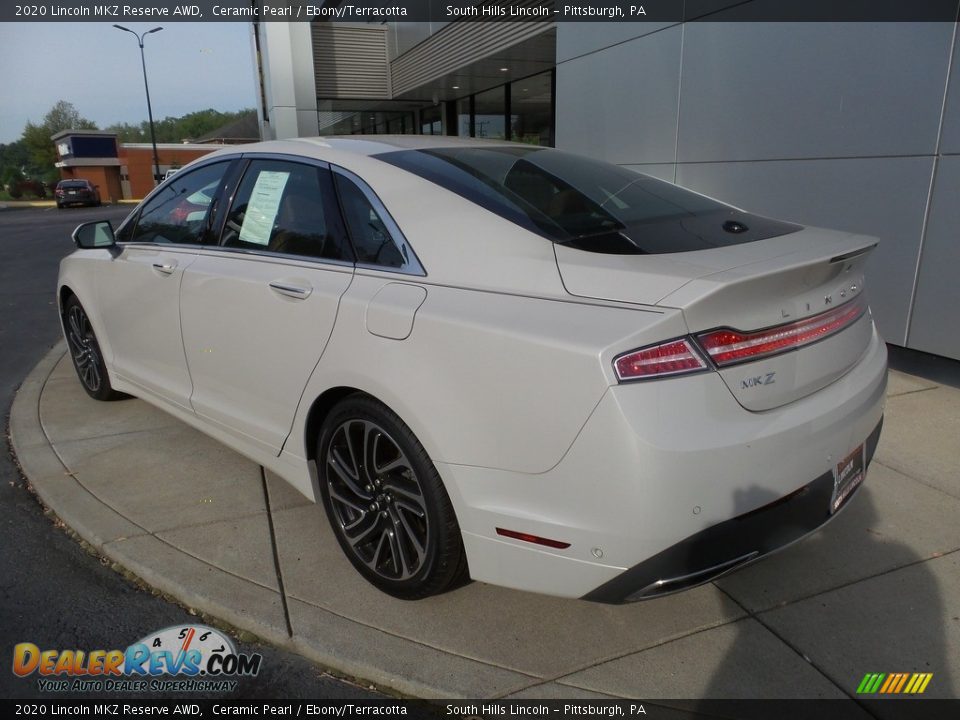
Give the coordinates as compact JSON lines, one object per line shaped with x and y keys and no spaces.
{"x":143,"y":62}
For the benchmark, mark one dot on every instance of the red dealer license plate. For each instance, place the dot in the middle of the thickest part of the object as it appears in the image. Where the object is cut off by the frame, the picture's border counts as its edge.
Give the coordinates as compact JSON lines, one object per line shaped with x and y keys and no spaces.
{"x":847,"y":477}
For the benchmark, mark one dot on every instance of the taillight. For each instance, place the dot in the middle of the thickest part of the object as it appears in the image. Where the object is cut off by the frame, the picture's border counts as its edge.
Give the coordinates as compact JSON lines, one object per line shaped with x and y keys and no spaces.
{"x":728,"y":347}
{"x":674,"y":357}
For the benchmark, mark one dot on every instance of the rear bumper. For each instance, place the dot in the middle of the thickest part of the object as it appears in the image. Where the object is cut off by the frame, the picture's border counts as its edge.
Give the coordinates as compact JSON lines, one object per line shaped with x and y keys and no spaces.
{"x":728,"y":545}
{"x":84,"y":199}
{"x":653,"y":471}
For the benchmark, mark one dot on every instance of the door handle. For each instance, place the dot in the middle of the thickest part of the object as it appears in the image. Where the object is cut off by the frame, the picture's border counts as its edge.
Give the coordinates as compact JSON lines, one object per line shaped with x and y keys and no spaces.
{"x":294,"y":291}
{"x":165,"y":268}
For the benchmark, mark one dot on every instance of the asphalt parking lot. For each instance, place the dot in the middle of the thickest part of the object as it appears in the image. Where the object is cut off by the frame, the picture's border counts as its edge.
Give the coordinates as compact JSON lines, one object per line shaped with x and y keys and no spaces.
{"x":878,"y":590}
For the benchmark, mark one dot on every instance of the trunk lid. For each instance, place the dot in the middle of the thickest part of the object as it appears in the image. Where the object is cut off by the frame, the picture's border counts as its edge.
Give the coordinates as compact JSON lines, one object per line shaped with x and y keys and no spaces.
{"x":747,"y":287}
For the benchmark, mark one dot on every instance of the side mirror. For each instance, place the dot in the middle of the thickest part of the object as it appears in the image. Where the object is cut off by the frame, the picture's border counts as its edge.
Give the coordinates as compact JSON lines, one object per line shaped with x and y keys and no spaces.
{"x":92,"y":235}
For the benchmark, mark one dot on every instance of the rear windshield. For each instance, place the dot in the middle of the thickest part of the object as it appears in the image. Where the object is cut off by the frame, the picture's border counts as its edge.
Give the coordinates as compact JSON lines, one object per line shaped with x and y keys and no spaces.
{"x":585,"y":203}
{"x":73,"y":184}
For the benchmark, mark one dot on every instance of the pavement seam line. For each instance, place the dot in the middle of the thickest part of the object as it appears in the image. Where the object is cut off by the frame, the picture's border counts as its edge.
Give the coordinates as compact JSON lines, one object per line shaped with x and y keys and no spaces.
{"x":918,"y":561}
{"x":621,"y":655}
{"x":797,"y":651}
{"x":53,"y":448}
{"x":915,"y":478}
{"x":912,"y":392}
{"x":85,"y":488}
{"x":276,"y":552}
{"x":559,"y":678}
{"x":201,"y":523}
{"x":421,"y":643}
{"x":123,"y":433}
{"x":117,"y":541}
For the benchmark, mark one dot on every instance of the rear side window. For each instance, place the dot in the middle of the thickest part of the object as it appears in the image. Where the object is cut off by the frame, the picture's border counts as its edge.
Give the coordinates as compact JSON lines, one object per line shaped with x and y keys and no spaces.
{"x":585,"y":203}
{"x":285,"y":208}
{"x":180,"y":212}
{"x":370,"y":235}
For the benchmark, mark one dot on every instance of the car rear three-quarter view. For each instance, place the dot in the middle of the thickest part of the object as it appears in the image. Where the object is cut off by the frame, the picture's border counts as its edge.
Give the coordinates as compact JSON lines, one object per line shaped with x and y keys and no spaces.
{"x":497,"y":360}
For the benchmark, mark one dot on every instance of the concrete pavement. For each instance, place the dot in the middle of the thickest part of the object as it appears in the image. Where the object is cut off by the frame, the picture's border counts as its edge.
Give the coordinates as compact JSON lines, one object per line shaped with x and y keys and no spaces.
{"x":876,"y":591}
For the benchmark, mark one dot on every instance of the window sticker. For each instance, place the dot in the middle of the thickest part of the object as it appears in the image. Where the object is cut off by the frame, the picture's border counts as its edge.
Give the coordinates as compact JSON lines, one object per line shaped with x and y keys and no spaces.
{"x":263,"y":206}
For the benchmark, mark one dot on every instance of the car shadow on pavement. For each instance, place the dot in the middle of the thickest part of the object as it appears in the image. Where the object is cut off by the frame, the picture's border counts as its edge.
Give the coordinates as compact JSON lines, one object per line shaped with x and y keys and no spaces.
{"x":869,"y":617}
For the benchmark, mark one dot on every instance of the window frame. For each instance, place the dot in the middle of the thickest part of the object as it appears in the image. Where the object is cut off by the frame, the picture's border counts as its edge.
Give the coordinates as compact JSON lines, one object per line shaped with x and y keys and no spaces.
{"x":412,"y":264}
{"x":331,"y":208}
{"x":223,"y":202}
{"x":213,"y":219}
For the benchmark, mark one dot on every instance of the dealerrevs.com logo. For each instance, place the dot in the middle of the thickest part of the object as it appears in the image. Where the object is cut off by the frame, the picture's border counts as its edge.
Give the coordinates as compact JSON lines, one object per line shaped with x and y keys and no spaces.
{"x":191,"y":658}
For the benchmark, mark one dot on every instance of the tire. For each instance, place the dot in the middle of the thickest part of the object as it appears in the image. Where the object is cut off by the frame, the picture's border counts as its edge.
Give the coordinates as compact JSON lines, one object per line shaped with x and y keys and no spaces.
{"x":386,"y":503}
{"x":85,"y":352}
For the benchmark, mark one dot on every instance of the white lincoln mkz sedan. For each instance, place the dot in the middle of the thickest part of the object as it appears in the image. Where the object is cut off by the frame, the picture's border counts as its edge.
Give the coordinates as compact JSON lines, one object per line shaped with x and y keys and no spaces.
{"x":493,"y":360}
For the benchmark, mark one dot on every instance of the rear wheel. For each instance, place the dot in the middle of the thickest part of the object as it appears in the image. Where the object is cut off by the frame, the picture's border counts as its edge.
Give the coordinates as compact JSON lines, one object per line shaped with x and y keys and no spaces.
{"x":85,"y":352}
{"x":386,"y":502}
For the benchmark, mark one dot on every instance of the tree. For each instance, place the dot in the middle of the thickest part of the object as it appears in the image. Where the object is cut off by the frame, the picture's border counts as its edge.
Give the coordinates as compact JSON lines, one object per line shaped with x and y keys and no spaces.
{"x":127,"y":133}
{"x":36,"y":137}
{"x":14,"y":162}
{"x":177,"y":129}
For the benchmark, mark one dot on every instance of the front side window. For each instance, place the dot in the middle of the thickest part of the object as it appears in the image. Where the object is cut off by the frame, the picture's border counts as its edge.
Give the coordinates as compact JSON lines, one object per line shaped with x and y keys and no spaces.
{"x":283,"y":207}
{"x":180,"y":212}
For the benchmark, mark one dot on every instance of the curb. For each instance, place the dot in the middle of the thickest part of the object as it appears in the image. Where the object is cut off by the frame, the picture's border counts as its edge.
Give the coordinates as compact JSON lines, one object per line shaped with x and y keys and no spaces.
{"x":345,"y":647}
{"x":19,"y":204}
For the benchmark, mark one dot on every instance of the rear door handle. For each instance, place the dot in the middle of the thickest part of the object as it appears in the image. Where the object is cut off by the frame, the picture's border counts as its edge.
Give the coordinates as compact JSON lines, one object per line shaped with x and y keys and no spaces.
{"x":290,"y":290}
{"x":166,"y":268}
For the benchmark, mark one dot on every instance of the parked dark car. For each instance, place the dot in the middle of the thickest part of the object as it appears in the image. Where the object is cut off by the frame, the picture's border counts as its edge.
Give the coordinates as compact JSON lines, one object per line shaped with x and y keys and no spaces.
{"x":76,"y":192}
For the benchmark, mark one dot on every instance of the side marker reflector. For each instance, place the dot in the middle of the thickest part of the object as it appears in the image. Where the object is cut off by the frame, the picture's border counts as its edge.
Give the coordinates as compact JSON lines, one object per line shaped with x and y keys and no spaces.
{"x":535,"y":539}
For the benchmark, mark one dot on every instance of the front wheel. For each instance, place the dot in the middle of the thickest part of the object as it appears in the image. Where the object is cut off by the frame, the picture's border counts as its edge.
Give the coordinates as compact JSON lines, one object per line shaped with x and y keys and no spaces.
{"x":386,"y":502}
{"x":85,"y":352}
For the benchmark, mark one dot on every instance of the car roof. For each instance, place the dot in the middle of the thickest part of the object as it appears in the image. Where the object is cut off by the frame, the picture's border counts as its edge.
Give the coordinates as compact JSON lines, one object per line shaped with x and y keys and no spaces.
{"x":364,"y":145}
{"x":377,"y":144}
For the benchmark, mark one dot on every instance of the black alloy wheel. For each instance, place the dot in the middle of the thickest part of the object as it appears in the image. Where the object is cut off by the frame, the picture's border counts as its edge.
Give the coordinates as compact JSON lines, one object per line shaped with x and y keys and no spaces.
{"x":386,"y":503}
{"x":85,"y":352}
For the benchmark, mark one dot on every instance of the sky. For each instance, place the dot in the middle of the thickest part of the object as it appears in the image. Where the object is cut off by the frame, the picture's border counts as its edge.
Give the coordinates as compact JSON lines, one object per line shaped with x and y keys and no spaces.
{"x":190,"y":66}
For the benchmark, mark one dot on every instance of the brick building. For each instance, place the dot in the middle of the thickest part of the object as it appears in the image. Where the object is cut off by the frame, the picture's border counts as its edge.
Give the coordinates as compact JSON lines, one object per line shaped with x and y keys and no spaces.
{"x":121,"y":170}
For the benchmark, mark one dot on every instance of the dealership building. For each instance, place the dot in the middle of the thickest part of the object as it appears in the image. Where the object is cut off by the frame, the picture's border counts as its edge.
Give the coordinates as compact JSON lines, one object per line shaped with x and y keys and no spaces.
{"x":853,"y":126}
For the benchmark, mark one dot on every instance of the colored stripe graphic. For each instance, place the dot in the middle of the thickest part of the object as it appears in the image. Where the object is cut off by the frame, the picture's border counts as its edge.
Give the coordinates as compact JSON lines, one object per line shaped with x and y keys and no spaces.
{"x":903,"y":680}
{"x":894,"y":683}
{"x":891,"y":680}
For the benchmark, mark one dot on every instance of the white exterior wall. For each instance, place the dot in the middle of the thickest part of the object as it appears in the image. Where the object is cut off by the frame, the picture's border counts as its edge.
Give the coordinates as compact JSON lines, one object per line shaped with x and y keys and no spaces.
{"x":289,"y":81}
{"x":842,"y":125}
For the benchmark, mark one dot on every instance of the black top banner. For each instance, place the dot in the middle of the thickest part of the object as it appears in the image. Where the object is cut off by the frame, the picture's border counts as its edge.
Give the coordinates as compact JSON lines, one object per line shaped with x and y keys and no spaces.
{"x":466,"y":709}
{"x":380,"y":11}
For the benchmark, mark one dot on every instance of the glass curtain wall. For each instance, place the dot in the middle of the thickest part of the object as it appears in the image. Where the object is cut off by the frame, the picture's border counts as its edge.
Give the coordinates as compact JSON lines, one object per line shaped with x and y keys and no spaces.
{"x":431,"y":121}
{"x":531,"y":110}
{"x":464,"y":115}
{"x":521,"y":111}
{"x":489,"y":114}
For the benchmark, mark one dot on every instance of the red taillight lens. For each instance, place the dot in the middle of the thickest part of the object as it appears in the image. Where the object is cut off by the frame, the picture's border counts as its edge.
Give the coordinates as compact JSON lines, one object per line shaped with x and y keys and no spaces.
{"x":674,"y":357}
{"x":728,"y":347}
